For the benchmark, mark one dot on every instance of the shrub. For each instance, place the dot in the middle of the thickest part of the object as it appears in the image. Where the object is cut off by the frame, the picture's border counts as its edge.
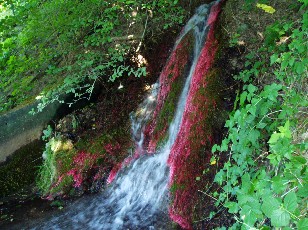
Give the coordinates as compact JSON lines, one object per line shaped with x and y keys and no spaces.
{"x":264,"y":181}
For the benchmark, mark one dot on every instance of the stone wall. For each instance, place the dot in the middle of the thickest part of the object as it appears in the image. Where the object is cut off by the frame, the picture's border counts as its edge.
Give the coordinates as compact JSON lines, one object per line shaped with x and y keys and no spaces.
{"x":18,"y":127}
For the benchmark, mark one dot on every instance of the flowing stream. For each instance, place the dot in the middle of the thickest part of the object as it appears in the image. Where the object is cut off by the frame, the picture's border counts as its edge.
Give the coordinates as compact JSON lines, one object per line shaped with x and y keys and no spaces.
{"x":138,"y":197}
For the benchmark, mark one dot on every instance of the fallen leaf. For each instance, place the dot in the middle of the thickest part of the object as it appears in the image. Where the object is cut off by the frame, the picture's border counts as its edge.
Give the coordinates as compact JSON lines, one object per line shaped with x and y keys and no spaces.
{"x":266,"y":8}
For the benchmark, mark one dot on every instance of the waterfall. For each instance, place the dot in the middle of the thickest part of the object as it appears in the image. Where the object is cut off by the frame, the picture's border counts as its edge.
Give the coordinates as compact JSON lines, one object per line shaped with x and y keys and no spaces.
{"x":138,"y":196}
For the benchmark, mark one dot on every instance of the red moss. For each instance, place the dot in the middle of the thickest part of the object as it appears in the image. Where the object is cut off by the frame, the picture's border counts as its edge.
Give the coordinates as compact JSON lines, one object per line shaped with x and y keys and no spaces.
{"x":185,"y":159}
{"x":174,"y":69}
{"x":81,"y":163}
{"x":112,"y":149}
{"x":114,"y":172}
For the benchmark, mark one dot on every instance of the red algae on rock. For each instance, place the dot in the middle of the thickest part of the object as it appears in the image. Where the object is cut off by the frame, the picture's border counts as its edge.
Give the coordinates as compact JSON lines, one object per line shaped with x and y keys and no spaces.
{"x":186,"y":159}
{"x":171,"y":80}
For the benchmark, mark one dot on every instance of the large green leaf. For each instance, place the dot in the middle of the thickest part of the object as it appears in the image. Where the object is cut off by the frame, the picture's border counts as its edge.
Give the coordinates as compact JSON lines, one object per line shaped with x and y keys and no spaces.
{"x":248,"y":215}
{"x":290,"y":202}
{"x":280,"y":218}
{"x":232,"y":206}
{"x":278,"y":184}
{"x":302,"y":224}
{"x":270,"y":204}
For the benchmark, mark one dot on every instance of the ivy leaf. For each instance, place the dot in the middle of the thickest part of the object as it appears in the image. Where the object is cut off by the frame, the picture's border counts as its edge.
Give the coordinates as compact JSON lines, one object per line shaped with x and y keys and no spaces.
{"x":300,"y":67}
{"x":253,"y":110}
{"x":287,"y":228}
{"x":220,"y":177}
{"x":265,"y":228}
{"x":290,"y":202}
{"x":224,"y":145}
{"x":253,"y":136}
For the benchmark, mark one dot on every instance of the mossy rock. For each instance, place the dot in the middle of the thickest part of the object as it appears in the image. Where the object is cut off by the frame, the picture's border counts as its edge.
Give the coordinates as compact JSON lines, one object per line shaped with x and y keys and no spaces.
{"x":19,"y":172}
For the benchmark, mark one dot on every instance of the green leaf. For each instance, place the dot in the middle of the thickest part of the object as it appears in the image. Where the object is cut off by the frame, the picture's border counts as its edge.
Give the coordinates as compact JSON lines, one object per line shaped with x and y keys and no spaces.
{"x":215,"y":148}
{"x":280,"y":218}
{"x":277,"y":184}
{"x":224,"y":145}
{"x":285,"y":130}
{"x":287,"y":228}
{"x":232,"y":206}
{"x":270,"y":204}
{"x":300,"y":67}
{"x":274,"y":58}
{"x":274,"y":138}
{"x":302,"y":224}
{"x":303,"y":190}
{"x":290,"y":202}
{"x":243,"y":98}
{"x":248,"y":215}
{"x":253,"y":136}
{"x":298,"y":161}
{"x":220,"y":177}
{"x":261,"y":125}
{"x":253,"y":110}
{"x":291,"y":61}
{"x":252,"y":88}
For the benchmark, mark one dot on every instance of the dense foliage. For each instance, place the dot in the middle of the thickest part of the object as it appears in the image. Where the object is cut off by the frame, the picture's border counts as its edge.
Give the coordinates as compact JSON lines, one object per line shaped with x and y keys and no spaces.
{"x":264,"y":182}
{"x":52,"y":48}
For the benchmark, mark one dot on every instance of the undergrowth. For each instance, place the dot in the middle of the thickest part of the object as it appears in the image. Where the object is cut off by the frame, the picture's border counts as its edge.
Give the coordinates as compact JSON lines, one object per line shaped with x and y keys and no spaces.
{"x":264,"y":181}
{"x":53,"y":48}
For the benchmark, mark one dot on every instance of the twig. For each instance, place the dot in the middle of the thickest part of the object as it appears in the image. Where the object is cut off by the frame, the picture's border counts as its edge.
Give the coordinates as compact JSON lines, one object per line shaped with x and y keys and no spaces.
{"x":145,"y":27}
{"x":207,"y":195}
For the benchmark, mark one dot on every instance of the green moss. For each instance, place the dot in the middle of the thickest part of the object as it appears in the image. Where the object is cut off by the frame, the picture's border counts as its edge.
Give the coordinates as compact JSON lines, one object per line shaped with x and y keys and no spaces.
{"x":168,"y":111}
{"x":19,"y":171}
{"x":102,"y":153}
{"x":175,"y":187}
{"x":64,"y":159}
{"x":96,"y":144}
{"x":64,"y":187}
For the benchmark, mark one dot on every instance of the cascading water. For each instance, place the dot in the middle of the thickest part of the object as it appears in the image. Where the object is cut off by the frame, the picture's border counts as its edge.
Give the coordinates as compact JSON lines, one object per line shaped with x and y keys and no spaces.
{"x":138,"y":196}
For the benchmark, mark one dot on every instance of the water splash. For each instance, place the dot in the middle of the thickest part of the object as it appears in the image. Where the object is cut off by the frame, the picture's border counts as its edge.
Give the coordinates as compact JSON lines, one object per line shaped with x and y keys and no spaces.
{"x":138,"y":197}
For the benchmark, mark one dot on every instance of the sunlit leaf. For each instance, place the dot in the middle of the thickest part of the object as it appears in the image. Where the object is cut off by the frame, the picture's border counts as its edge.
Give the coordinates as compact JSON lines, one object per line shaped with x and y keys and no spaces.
{"x":266,"y":8}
